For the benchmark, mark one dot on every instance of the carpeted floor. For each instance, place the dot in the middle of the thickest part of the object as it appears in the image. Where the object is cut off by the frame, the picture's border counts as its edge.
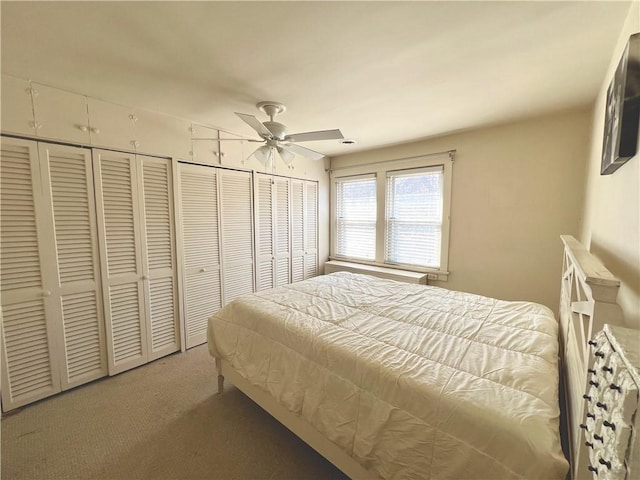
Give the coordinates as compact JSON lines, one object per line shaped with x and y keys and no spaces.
{"x":159,"y":421}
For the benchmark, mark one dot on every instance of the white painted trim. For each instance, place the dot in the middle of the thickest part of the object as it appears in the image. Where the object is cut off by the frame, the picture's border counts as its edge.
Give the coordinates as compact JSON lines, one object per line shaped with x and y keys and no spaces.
{"x":379,"y":170}
{"x":382,"y":272}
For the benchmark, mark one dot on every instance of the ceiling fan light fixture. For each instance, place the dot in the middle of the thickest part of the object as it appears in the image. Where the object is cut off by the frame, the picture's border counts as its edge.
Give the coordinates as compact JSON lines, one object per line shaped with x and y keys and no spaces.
{"x":263,"y":155}
{"x":286,"y":156}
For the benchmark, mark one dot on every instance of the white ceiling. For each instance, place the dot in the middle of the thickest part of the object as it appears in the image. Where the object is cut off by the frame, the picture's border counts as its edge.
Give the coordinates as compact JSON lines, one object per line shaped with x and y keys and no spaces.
{"x":382,"y":72}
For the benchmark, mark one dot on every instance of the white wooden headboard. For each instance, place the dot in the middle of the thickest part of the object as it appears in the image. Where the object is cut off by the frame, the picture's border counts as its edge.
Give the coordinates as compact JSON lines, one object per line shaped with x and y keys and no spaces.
{"x":587,"y":302}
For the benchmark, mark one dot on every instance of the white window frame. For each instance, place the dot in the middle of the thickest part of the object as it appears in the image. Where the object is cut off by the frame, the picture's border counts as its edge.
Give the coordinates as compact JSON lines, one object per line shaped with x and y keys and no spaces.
{"x":439,"y":169}
{"x":380,"y":169}
{"x":335,"y":224}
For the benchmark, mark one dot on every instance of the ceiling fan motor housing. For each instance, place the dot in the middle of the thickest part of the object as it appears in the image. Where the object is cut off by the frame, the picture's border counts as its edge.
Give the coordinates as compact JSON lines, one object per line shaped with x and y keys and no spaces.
{"x":278,"y":130}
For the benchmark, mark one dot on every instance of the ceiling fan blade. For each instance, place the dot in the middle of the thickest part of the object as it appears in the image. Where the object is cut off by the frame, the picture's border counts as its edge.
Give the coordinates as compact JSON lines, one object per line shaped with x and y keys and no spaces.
{"x":305,"y":152}
{"x":312,"y":136}
{"x":233,"y":139}
{"x":256,"y":124}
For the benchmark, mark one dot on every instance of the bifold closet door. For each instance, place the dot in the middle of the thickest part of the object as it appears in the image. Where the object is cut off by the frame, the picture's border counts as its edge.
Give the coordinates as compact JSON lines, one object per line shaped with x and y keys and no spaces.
{"x":265,"y":264}
{"x":158,"y":258}
{"x":310,"y":229}
{"x":200,"y":249}
{"x":75,"y":280}
{"x":304,"y":229}
{"x":29,"y":341}
{"x":135,"y":219}
{"x":236,"y":226}
{"x":272,"y":231}
{"x":120,"y":235}
{"x":282,"y":244}
{"x":297,"y":230}
{"x":51,"y":300}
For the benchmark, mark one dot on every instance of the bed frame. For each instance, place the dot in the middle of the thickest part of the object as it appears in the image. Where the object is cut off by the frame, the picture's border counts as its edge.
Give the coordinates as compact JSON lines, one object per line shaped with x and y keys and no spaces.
{"x":295,"y":423}
{"x":587,"y":302}
{"x":588,"y":297}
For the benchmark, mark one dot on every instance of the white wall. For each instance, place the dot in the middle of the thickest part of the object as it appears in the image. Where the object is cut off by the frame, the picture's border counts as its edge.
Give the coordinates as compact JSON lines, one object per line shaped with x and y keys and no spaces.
{"x":612,"y":202}
{"x":516,"y":189}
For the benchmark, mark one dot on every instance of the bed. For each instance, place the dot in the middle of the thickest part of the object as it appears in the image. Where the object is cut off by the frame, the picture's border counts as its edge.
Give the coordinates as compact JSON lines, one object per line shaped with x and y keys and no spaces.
{"x":394,"y":380}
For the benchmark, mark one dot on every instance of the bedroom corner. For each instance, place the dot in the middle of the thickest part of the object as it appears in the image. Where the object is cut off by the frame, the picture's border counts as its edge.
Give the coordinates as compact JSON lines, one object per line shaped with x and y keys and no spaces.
{"x":611,"y":215}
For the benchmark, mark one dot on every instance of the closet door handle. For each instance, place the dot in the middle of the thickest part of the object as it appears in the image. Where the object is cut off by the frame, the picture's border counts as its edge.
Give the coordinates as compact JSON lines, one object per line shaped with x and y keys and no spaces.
{"x":145,"y":277}
{"x":46,"y":293}
{"x":202,"y":270}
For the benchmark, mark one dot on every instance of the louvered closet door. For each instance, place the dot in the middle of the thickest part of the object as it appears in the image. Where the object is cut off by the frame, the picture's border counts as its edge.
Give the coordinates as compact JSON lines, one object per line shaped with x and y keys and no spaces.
{"x":282,"y":247}
{"x":265,"y":275}
{"x":310,"y":229}
{"x":29,"y":370}
{"x":120,"y":235}
{"x":297,"y":230}
{"x":68,"y":188}
{"x":158,"y":260}
{"x":236,"y":233}
{"x":201,"y":253}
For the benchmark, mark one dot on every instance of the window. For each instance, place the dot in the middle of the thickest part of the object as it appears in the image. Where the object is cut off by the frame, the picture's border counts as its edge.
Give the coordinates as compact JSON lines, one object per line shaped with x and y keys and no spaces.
{"x":393,"y":213}
{"x":414,"y":217}
{"x":356,"y":217}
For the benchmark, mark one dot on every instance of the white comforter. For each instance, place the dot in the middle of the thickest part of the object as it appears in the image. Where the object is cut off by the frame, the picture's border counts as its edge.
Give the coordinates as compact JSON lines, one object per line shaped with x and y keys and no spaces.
{"x":412,"y":381}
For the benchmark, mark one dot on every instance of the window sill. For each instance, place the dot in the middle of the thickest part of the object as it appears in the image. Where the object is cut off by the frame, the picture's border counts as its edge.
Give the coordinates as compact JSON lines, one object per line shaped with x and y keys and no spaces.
{"x":386,"y":271}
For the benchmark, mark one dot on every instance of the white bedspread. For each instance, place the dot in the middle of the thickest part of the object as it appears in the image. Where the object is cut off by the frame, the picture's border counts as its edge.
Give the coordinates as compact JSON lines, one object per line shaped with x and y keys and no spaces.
{"x":412,"y":381}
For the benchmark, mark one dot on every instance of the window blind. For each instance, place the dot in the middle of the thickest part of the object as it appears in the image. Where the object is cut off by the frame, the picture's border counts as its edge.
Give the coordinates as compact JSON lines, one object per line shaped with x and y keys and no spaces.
{"x":414,"y":216}
{"x":356,"y":217}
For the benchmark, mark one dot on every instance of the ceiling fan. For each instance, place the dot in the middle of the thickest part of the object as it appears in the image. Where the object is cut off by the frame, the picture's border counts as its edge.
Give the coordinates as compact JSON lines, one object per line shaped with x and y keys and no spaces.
{"x":276,"y":138}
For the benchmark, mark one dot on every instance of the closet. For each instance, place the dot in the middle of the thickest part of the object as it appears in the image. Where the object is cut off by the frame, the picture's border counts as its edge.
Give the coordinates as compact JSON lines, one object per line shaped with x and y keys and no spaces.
{"x":87,"y":276}
{"x":98,"y":273}
{"x":135,"y":220}
{"x":201,"y":282}
{"x":272,"y":200}
{"x":216,"y":242}
{"x":53,"y":325}
{"x":286,"y":230}
{"x":225,"y":213}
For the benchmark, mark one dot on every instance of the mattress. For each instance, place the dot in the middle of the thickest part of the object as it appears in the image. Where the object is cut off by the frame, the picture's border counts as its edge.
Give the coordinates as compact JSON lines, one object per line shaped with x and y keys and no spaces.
{"x":411,"y":381}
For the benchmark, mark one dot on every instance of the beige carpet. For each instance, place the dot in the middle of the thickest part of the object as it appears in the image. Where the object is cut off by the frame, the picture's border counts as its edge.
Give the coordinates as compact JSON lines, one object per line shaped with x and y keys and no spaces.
{"x":159,"y":421}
